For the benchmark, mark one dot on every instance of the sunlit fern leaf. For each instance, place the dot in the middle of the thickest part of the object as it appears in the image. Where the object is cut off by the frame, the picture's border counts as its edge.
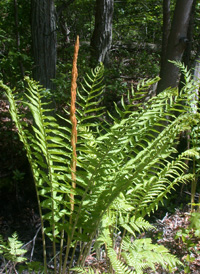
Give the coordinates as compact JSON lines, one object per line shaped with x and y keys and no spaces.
{"x":118,"y":266}
{"x":113,"y":172}
{"x":134,"y":255}
{"x":141,"y":254}
{"x":12,"y":250}
{"x":86,"y":270}
{"x":151,"y":190}
{"x":90,"y":97}
{"x":133,"y":225}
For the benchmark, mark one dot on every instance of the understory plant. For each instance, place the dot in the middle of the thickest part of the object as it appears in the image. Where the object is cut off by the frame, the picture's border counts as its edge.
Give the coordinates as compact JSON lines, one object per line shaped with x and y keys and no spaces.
{"x":83,"y":162}
{"x":192,"y":84}
{"x":12,"y":252}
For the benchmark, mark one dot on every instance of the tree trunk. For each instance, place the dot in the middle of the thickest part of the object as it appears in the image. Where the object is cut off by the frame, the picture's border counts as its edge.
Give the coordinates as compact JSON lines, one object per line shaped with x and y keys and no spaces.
{"x":61,"y":19}
{"x":102,"y":35}
{"x":18,"y":37}
{"x":43,"y":26}
{"x":187,"y":53}
{"x":176,"y":45}
{"x":196,"y":77}
{"x":165,"y":29}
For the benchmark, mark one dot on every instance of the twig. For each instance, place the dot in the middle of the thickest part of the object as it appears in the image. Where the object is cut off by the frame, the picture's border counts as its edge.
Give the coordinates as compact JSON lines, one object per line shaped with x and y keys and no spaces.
{"x":32,"y":241}
{"x":32,"y":251}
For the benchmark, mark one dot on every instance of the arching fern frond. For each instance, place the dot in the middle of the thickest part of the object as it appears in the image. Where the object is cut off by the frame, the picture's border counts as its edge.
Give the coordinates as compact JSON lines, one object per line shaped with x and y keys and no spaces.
{"x":90,"y":97}
{"x":49,"y":152}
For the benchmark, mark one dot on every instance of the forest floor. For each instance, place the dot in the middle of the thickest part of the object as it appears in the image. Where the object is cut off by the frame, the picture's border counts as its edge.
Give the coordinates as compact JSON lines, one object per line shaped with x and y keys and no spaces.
{"x":172,"y":231}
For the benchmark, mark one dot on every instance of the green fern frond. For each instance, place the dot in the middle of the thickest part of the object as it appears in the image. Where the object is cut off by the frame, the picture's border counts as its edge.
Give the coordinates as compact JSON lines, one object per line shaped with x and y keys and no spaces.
{"x":138,"y":255}
{"x":51,"y":141}
{"x":12,"y":250}
{"x":141,"y":254}
{"x":106,"y":180}
{"x":134,"y":225}
{"x":85,"y":270}
{"x":118,"y":266}
{"x":183,"y":68}
{"x":90,"y":97}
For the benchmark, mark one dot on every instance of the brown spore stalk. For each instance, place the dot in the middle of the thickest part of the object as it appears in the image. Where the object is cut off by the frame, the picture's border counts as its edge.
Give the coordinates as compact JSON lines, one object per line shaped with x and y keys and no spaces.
{"x":73,"y":119}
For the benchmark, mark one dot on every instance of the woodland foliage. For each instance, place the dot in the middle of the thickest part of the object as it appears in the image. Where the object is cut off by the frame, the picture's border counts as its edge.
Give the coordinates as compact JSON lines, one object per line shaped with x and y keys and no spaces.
{"x":94,"y":174}
{"x":99,"y":173}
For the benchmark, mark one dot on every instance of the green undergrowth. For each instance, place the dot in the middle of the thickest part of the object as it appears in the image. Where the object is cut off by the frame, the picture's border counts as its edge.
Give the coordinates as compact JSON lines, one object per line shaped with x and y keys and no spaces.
{"x":125,"y":166}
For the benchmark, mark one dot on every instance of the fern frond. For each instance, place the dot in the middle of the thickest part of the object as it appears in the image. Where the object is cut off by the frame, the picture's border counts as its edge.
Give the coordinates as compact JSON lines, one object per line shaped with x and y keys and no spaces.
{"x":141,"y":254}
{"x":90,"y":98}
{"x":133,"y":225}
{"x":115,"y":174}
{"x":137,"y":255}
{"x":118,"y":266}
{"x":85,"y":270}
{"x":12,"y":250}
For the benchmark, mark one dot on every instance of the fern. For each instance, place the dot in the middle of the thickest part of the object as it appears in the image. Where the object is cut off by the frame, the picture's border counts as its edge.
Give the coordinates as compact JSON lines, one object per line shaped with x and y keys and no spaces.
{"x":192,"y":83}
{"x":135,"y":256}
{"x":12,"y":250}
{"x":125,"y":164}
{"x":86,"y":271}
{"x":133,"y":155}
{"x":142,"y":254}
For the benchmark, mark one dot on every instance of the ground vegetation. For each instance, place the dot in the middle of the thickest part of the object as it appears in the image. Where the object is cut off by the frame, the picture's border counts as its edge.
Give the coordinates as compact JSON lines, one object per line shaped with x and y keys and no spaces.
{"x":125,"y":132}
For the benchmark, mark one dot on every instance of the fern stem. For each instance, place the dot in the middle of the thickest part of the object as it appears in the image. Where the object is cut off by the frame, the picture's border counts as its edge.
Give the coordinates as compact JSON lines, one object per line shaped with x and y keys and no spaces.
{"x":50,"y":172}
{"x":42,"y":226}
{"x":120,"y":246}
{"x":61,"y":247}
{"x":193,"y":188}
{"x":73,"y":252}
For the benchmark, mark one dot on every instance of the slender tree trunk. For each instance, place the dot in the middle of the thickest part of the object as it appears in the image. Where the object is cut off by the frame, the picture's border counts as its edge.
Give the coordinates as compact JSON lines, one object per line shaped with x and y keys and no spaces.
{"x":44,"y":41}
{"x":187,"y":53}
{"x":62,"y":21}
{"x":176,"y":45}
{"x":18,"y":37}
{"x":102,"y":35}
{"x":196,"y":77}
{"x":165,"y":29}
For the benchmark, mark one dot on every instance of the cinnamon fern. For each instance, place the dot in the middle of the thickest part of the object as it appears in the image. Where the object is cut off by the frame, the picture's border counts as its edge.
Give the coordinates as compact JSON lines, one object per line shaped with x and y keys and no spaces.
{"x":132,"y":154}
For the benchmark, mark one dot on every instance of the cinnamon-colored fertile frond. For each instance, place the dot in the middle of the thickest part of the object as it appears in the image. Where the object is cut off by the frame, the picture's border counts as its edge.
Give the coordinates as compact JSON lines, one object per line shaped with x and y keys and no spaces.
{"x":73,"y":117}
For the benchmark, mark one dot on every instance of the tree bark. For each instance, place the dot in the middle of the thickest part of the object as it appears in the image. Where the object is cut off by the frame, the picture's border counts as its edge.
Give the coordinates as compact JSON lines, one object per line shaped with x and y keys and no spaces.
{"x":102,"y":35}
{"x":196,"y":77}
{"x":176,"y":45}
{"x":43,"y":25}
{"x":18,"y":37}
{"x":60,"y":18}
{"x":165,"y":29}
{"x":187,"y":53}
{"x":187,"y":60}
